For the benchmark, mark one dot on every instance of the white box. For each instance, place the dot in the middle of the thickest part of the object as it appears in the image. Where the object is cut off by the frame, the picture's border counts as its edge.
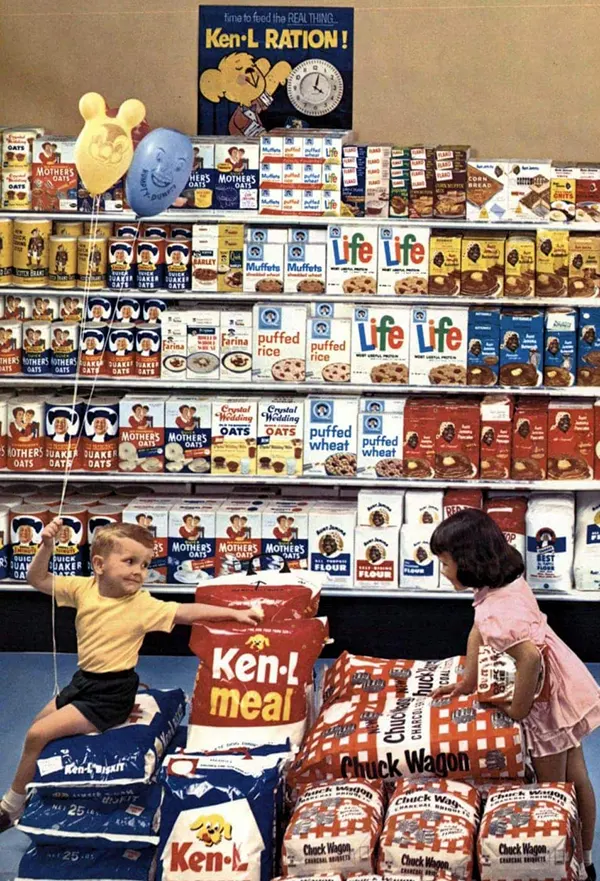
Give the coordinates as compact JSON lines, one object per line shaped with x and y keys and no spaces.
{"x":238,"y":536}
{"x":332,"y":309}
{"x":174,"y":344}
{"x":233,"y":436}
{"x":266,"y":235}
{"x":529,"y":190}
{"x":280,"y":437}
{"x":438,"y":345}
{"x":380,"y":507}
{"x":142,"y":433}
{"x":285,"y":532}
{"x":380,"y":344}
{"x":487,"y":190}
{"x":328,"y":349}
{"x":376,"y":553}
{"x":203,"y":344}
{"x":205,"y":257}
{"x":271,"y":173}
{"x":316,"y":236}
{"x":352,"y":259}
{"x":403,"y":260}
{"x":270,"y":202}
{"x":236,"y":344}
{"x":305,"y":268}
{"x":424,"y":507}
{"x":279,"y":349}
{"x":263,"y":267}
{"x":192,"y":539}
{"x":380,"y":438}
{"x":418,"y":566}
{"x":271,"y":147}
{"x":330,"y":436}
{"x":331,"y":541}
{"x":188,"y":429}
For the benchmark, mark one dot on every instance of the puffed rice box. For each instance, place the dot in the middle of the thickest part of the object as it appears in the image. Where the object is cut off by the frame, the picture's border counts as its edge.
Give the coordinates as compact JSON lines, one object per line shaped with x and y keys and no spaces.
{"x":142,"y":433}
{"x":279,"y":349}
{"x":328,"y":349}
{"x":330,"y":436}
{"x":380,"y":437}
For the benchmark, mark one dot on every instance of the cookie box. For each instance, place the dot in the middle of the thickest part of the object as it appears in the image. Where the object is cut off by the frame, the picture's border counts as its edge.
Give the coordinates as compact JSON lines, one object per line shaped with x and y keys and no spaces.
{"x":521,"y":347}
{"x":457,"y":440}
{"x":584,"y":266}
{"x":285,"y":532}
{"x":530,"y":439}
{"x":236,"y":344}
{"x":438,"y":345}
{"x":529,"y":190}
{"x":380,"y":433}
{"x":264,"y":267}
{"x":419,"y":567}
{"x":192,"y":541}
{"x":142,"y":433}
{"x":331,"y":541}
{"x":519,"y":267}
{"x":305,"y":267}
{"x":496,"y":437}
{"x":380,"y":507}
{"x":403,"y":260}
{"x":330,"y":436}
{"x":483,"y":353}
{"x":570,"y":440}
{"x":279,"y":350}
{"x":328,"y":349}
{"x":188,"y":431}
{"x":376,"y":552}
{"x":154,"y":516}
{"x":588,"y":347}
{"x":234,"y":425}
{"x":238,"y":536}
{"x":352,"y":259}
{"x":420,"y":428}
{"x":560,"y":347}
{"x":482,"y":266}
{"x":280,"y":437}
{"x":380,"y":344}
{"x":487,"y":190}
{"x":552,"y":263}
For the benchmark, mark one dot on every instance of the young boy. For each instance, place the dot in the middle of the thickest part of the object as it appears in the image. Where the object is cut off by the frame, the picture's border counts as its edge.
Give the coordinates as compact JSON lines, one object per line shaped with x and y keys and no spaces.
{"x":113,"y":616}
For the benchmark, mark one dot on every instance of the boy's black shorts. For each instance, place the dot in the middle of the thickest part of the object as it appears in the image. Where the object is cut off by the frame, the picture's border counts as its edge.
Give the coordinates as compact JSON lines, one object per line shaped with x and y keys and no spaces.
{"x":105,"y":699}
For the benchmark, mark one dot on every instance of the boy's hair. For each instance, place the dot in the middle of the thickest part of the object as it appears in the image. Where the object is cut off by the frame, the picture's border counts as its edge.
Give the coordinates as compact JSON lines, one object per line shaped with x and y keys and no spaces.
{"x":478,"y":547}
{"x":107,"y":538}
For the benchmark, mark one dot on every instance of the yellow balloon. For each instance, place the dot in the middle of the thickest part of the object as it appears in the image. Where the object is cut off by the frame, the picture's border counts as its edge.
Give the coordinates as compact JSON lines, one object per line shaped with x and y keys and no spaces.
{"x":104,"y":148}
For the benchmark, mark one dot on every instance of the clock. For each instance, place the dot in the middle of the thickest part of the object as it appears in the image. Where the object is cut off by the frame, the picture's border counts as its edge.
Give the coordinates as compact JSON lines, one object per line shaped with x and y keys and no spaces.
{"x":315,"y":87}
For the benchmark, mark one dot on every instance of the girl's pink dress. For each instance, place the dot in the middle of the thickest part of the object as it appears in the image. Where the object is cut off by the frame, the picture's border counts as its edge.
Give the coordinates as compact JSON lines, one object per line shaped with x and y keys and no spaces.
{"x":510,"y":615}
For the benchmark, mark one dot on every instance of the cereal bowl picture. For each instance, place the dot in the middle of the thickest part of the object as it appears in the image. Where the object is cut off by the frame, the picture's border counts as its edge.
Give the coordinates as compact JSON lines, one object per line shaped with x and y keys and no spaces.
{"x":331,"y":543}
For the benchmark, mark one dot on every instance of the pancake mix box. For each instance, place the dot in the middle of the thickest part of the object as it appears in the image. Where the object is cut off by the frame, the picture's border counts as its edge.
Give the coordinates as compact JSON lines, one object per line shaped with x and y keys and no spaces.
{"x":403,"y":260}
{"x":154,"y":516}
{"x":331,"y":541}
{"x":482,"y":266}
{"x":420,"y":430}
{"x":588,"y":347}
{"x":380,"y":433}
{"x":280,"y":431}
{"x":484,"y":347}
{"x":530,"y":439}
{"x":570,"y":439}
{"x":285,"y":532}
{"x":457,"y":440}
{"x":330,"y":436}
{"x":438,"y":345}
{"x":496,"y":437}
{"x":188,"y":432}
{"x":234,"y":426}
{"x":238,"y":536}
{"x":328,"y":349}
{"x":192,"y":537}
{"x":445,"y":265}
{"x":519,"y":266}
{"x":521,"y":347}
{"x":552,"y":263}
{"x":279,"y":350}
{"x":560,"y":346}
{"x":380,"y":344}
{"x":142,"y":433}
{"x":352,"y":259}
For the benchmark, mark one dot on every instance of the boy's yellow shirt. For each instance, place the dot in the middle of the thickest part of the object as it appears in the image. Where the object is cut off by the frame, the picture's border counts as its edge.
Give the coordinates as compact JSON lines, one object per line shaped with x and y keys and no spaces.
{"x":110,"y":630}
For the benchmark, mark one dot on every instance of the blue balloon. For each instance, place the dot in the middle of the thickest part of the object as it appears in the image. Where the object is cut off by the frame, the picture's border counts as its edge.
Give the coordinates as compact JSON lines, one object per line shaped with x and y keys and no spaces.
{"x":160,"y":169}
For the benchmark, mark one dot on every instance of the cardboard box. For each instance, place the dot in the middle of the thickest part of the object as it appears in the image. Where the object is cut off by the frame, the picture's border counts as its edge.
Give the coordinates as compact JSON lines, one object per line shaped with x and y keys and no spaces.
{"x":521,"y":347}
{"x":238,"y":536}
{"x":280,"y":437}
{"x":552,"y":263}
{"x":234,"y":425}
{"x":422,"y":183}
{"x":192,"y":541}
{"x":584,"y":265}
{"x":563,"y":194}
{"x":403,"y":260}
{"x":496,"y":437}
{"x":154,"y":516}
{"x":376,"y":552}
{"x":445,"y":262}
{"x":380,"y":507}
{"x":483,"y":353}
{"x":142,"y":433}
{"x":236,"y":344}
{"x":487,"y":190}
{"x":237,"y":175}
{"x":381,"y":344}
{"x":380,"y":437}
{"x":174,"y":344}
{"x":529,"y":190}
{"x":54,"y":179}
{"x":328,"y":349}
{"x":264,"y":267}
{"x":588,"y":347}
{"x":305,"y":267}
{"x":352,"y":260}
{"x":570,"y":440}
{"x":587,"y":194}
{"x":457,"y":440}
{"x":482,"y":266}
{"x":530,"y":439}
{"x":438,"y":345}
{"x":279,"y":347}
{"x":420,"y":428}
{"x":418,"y":566}
{"x":285,"y":532}
{"x":331,"y":541}
{"x":188,"y":432}
{"x":199,"y":190}
{"x":450,"y":201}
{"x":519,"y":267}
{"x":203,"y":344}
{"x":330,"y":436}
{"x":560,"y":347}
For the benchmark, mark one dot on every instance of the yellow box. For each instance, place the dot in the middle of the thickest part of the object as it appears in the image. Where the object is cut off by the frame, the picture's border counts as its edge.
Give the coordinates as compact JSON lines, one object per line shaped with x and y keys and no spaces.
{"x":552,"y":263}
{"x":444,"y":265}
{"x":519,"y":267}
{"x":482,"y":266}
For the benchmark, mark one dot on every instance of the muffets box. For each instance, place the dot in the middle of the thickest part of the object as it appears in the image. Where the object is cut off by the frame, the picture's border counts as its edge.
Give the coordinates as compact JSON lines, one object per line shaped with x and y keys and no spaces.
{"x":331,"y":540}
{"x":192,"y":538}
{"x":285,"y":532}
{"x":153,"y":516}
{"x":316,"y":145}
{"x":54,"y":175}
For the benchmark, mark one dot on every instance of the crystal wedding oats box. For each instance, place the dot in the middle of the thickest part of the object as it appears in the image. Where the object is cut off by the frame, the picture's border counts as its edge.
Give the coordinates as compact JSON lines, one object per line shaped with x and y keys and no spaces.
{"x":234,"y":425}
{"x":403,"y":260}
{"x":279,"y":345}
{"x":280,"y":434}
{"x":330,"y":436}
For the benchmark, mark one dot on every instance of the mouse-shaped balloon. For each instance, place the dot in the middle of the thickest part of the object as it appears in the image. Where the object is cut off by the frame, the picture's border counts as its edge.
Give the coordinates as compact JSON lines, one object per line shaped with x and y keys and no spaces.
{"x":159,"y":172}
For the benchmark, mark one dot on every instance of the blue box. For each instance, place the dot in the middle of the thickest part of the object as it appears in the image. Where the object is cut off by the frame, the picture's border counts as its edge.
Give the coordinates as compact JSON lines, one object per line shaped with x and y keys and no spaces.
{"x":521,"y":348}
{"x":483,"y":352}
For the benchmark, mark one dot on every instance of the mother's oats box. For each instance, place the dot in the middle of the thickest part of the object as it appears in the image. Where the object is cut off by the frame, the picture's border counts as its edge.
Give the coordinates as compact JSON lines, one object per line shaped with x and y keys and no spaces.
{"x":192,"y":536}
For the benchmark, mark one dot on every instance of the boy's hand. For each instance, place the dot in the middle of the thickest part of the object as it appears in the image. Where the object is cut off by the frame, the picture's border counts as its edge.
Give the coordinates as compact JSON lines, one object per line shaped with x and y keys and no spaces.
{"x":50,"y":532}
{"x":253,"y":615}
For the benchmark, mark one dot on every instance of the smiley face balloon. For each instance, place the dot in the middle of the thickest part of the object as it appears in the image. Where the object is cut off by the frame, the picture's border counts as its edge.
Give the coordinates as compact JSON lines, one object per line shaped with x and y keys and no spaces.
{"x":159,"y":171}
{"x":104,"y":148}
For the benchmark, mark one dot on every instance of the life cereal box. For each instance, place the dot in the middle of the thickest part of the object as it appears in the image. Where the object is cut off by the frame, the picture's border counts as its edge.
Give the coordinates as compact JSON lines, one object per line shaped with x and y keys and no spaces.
{"x":279,"y":351}
{"x":153,"y":516}
{"x":142,"y":433}
{"x":280,"y":436}
{"x":238,"y":539}
{"x":403,"y":260}
{"x":380,"y":344}
{"x":380,"y":435}
{"x":330,"y":436}
{"x":438,"y":345}
{"x":331,"y":540}
{"x":233,"y":436}
{"x":328,"y":349}
{"x":352,"y":260}
{"x":192,"y":534}
{"x":236,"y":344}
{"x":285,"y":532}
{"x":188,"y":428}
{"x":376,"y":553}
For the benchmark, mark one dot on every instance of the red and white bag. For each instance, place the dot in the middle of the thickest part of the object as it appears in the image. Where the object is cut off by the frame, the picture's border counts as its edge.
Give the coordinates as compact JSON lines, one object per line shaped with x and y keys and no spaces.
{"x":252,"y":683}
{"x":430,"y":827}
{"x":509,"y":513}
{"x":496,"y":676}
{"x":334,"y":827}
{"x":281,"y":595}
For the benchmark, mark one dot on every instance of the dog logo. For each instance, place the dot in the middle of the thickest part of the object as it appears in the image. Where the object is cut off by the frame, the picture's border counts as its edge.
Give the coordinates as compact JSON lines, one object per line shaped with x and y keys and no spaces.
{"x":211,"y":829}
{"x":258,"y":642}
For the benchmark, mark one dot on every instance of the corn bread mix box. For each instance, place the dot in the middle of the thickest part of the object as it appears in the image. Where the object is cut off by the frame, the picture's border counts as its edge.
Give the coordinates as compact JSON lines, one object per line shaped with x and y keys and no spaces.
{"x":380,"y":344}
{"x":438,"y":345}
{"x":380,"y":434}
{"x":279,"y":349}
{"x":280,"y":436}
{"x":330,"y":436}
{"x":234,"y":424}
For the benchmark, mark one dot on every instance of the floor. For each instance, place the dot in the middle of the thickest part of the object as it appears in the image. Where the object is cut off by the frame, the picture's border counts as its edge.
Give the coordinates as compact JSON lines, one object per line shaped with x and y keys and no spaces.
{"x":27,"y":684}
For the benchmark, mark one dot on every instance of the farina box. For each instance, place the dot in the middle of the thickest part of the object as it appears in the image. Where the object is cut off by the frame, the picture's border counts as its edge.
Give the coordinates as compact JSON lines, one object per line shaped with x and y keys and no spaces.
{"x":483,"y":352}
{"x":376,"y":552}
{"x":438,"y":345}
{"x":450,"y":199}
{"x":552,"y":263}
{"x":530,"y":439}
{"x":331,"y":541}
{"x":279,"y":348}
{"x":588,"y":347}
{"x":285,"y":532}
{"x":280,"y":437}
{"x":239,"y":536}
{"x":380,"y":507}
{"x":529,"y":190}
{"x":153,"y":516}
{"x":233,"y":436}
{"x":381,"y":344}
{"x":264,"y":267}
{"x":496,"y":437}
{"x":521,"y":347}
{"x":457,"y":440}
{"x":199,"y":190}
{"x":330,"y":436}
{"x":174,"y":344}
{"x":188,"y":431}
{"x":236,"y":344}
{"x":560,"y":352}
{"x":570,"y":440}
{"x":236,"y":181}
{"x":328,"y":349}
{"x":192,"y":539}
{"x":584,"y":265}
{"x":403,"y":260}
{"x":305,"y":267}
{"x":519,"y":267}
{"x":54,"y":175}
{"x":142,"y":433}
{"x":445,"y":265}
{"x":487,"y":190}
{"x":352,"y":260}
{"x":380,"y":434}
{"x":482,"y":266}
{"x":203,"y":344}
{"x":420,"y":429}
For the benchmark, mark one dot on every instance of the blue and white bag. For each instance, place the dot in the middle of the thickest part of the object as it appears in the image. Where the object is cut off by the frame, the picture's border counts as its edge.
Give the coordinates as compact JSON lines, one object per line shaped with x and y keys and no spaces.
{"x":80,"y":864}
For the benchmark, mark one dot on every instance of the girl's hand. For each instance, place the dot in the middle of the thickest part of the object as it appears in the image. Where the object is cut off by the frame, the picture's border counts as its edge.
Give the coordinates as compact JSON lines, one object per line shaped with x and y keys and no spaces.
{"x":254,"y":615}
{"x":453,"y":690}
{"x":50,"y":532}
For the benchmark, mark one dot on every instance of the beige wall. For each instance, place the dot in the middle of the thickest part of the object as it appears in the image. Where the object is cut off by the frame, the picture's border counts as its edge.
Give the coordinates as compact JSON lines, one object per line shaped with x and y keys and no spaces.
{"x":514,"y":78}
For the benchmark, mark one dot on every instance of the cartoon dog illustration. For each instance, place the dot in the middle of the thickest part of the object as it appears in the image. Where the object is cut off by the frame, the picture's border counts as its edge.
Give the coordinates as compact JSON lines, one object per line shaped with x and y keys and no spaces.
{"x":258,"y":642}
{"x":248,"y":82}
{"x":211,"y":829}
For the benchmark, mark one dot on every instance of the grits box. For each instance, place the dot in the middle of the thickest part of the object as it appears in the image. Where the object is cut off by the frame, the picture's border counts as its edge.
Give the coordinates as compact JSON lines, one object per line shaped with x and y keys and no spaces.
{"x":330,"y":436}
{"x":331,"y":541}
{"x":238,"y":536}
{"x":188,"y":431}
{"x":376,"y":552}
{"x":279,"y":350}
{"x":285,"y":532}
{"x":380,"y":433}
{"x":352,"y":260}
{"x":403,"y":260}
{"x":380,"y":344}
{"x":328,"y":349}
{"x":438,"y":345}
{"x":142,"y":433}
{"x":153,"y":516}
{"x":234,"y":424}
{"x":280,"y":437}
{"x":192,"y":538}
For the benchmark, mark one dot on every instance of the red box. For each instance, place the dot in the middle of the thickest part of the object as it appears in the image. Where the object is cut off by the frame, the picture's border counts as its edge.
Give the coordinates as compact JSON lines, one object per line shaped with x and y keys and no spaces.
{"x":457,"y":440}
{"x":420,"y":427}
{"x":459,"y":499}
{"x":530,"y":439}
{"x":570,"y":440}
{"x":54,"y":174}
{"x":496,"y":436}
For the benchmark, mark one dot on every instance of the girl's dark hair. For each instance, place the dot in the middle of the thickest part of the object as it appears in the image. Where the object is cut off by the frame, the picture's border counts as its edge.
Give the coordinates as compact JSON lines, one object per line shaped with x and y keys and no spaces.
{"x":477,"y":545}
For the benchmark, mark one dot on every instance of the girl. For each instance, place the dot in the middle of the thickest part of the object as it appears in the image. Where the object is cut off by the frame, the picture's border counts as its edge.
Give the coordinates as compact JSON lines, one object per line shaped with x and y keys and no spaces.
{"x":474,"y":554}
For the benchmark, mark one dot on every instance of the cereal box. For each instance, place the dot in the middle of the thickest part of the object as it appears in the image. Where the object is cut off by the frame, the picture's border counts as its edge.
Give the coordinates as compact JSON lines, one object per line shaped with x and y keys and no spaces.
{"x":482,"y":266}
{"x":280,"y":437}
{"x":521,"y":347}
{"x":26,"y":428}
{"x":552,"y":263}
{"x":238,"y":536}
{"x":26,"y":525}
{"x":588,"y":347}
{"x":420,"y":429}
{"x":381,"y":344}
{"x":332,"y":309}
{"x":484,"y":347}
{"x":487,"y":190}
{"x":570,"y":439}
{"x":153,"y":516}
{"x":457,"y":440}
{"x":279,"y":350}
{"x":142,"y":433}
{"x":380,"y":507}
{"x":519,"y":267}
{"x":366,"y":180}
{"x":285,"y":532}
{"x":188,"y":430}
{"x":270,"y":201}
{"x":331,"y":541}
{"x":399,"y":182}
{"x":328,"y":349}
{"x":192,"y":539}
{"x":376,"y":552}
{"x":54,"y":175}
{"x":403,"y":260}
{"x":205,"y":257}
{"x":305,"y":267}
{"x":560,"y":347}
{"x":496,"y":437}
{"x":199,"y":190}
{"x":230,"y":257}
{"x":529,"y":190}
{"x":330,"y":436}
{"x":445,"y":265}
{"x":237,"y":175}
{"x":264,"y":267}
{"x":418,"y":566}
{"x":203,"y":344}
{"x":450,"y":182}
{"x":352,"y":260}
{"x":316,"y":236}
{"x":236,"y":344}
{"x":438,"y":345}
{"x":530,"y":439}
{"x":584,"y":266}
{"x":380,"y":433}
{"x":100,"y":430}
{"x":233,"y":436}
{"x":174,"y":344}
